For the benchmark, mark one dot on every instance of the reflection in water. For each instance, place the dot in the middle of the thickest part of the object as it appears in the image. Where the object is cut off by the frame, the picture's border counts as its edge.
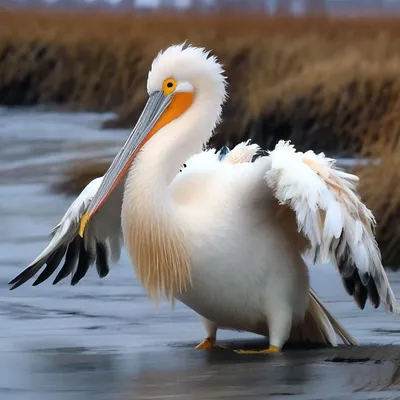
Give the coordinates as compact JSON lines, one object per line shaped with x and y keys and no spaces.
{"x":78,"y":371}
{"x":185,"y":374}
{"x":299,"y":373}
{"x":103,"y":339}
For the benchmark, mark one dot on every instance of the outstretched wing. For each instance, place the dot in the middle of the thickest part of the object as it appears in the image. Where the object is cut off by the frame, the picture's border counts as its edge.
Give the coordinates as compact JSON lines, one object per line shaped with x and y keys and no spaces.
{"x":102,"y":241}
{"x":331,"y":215}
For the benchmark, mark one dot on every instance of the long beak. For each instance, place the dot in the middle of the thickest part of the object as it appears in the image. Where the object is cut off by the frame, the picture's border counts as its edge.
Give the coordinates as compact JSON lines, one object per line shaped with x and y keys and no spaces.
{"x":141,"y":133}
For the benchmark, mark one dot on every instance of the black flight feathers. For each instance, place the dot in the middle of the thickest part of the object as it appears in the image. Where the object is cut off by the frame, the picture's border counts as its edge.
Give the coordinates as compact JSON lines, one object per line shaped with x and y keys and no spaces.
{"x":361,"y":287}
{"x":77,"y":262}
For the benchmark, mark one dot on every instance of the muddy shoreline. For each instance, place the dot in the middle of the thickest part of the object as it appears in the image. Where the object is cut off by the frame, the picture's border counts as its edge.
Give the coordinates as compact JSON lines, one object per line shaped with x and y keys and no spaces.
{"x":182,"y":372}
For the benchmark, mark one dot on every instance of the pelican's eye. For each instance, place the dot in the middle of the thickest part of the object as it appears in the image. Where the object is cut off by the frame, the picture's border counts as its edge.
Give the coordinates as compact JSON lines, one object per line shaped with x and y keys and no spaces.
{"x":169,"y":86}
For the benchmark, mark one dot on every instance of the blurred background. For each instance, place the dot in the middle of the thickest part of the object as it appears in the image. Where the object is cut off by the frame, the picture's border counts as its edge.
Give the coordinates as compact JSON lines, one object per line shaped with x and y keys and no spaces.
{"x":323,"y":73}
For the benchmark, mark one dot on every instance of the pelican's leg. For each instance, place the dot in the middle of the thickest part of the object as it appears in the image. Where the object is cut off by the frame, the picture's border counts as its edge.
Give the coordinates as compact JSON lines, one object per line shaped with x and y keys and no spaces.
{"x":280,"y":325}
{"x":211,"y":330}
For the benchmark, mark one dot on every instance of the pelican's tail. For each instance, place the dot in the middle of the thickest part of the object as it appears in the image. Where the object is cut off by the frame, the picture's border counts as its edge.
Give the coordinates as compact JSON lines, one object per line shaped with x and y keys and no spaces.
{"x":320,"y":326}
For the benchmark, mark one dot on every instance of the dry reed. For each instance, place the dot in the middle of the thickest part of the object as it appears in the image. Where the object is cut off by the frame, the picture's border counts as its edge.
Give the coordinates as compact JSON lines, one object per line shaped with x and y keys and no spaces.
{"x":318,"y":81}
{"x":380,"y":183}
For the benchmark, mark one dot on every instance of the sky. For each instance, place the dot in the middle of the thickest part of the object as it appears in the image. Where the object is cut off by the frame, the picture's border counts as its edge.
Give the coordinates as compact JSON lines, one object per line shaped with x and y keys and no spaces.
{"x":297,"y":4}
{"x":185,"y":3}
{"x":154,"y":3}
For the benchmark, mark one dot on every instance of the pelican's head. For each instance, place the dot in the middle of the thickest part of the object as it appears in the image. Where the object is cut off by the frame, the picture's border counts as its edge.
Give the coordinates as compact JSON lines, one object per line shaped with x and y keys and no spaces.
{"x":180,"y":79}
{"x":187,"y":72}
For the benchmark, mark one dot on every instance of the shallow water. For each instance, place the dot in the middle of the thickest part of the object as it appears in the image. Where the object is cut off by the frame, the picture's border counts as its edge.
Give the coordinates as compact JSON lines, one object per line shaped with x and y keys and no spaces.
{"x":102,"y":338}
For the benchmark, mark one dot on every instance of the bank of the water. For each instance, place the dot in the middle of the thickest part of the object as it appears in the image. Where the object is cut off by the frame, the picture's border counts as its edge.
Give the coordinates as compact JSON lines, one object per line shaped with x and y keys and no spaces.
{"x":180,"y":372}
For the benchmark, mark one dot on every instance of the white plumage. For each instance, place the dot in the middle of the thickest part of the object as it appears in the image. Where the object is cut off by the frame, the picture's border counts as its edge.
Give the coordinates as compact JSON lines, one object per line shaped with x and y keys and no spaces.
{"x":310,"y":184}
{"x":225,"y":232}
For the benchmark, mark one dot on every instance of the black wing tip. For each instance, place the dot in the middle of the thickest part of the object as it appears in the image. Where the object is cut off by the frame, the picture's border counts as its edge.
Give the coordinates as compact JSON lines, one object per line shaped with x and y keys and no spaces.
{"x":373,"y":294}
{"x":71,"y":258}
{"x":21,"y":275}
{"x":51,"y":266}
{"x":58,"y":278}
{"x":360,"y":287}
{"x":39,"y":280}
{"x":102,"y":264}
{"x":25,"y":275}
{"x":361,"y":294}
{"x":16,"y":285}
{"x":86,"y":259}
{"x":13,"y":281}
{"x":75,"y":280}
{"x":52,"y":261}
{"x":63,"y":273}
{"x":103,"y":274}
{"x":74,"y":252}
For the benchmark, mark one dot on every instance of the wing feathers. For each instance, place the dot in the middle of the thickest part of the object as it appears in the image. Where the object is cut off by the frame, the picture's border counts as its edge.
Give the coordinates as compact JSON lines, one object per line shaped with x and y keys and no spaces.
{"x":25,"y":275}
{"x":373,"y":294}
{"x":102,"y":237}
{"x":52,"y":265}
{"x":71,"y":259}
{"x":330,"y":213}
{"x":102,"y":265}
{"x":86,"y":259}
{"x":61,"y":236}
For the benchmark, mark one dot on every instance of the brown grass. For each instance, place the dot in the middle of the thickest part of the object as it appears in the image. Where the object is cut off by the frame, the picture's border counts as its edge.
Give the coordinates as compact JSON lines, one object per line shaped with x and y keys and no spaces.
{"x":325,"y":84}
{"x":317,"y":81}
{"x":380,"y":184}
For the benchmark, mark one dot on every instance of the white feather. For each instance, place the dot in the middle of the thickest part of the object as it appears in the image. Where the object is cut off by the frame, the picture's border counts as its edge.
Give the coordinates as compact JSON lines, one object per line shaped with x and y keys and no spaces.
{"x":68,"y":227}
{"x":309,"y":184}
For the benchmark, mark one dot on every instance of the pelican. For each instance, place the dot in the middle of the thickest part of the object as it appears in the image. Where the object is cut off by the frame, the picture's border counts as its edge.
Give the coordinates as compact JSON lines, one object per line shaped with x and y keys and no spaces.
{"x":226,"y":232}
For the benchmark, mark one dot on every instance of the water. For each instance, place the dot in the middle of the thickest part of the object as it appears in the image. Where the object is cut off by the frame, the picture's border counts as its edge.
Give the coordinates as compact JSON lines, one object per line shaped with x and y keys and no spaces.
{"x":104,"y":339}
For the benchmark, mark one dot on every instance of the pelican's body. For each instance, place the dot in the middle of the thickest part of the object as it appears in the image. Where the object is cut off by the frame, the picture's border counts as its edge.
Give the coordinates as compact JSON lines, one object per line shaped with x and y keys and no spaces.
{"x":244,"y":265}
{"x":247,"y":272}
{"x":225,"y":235}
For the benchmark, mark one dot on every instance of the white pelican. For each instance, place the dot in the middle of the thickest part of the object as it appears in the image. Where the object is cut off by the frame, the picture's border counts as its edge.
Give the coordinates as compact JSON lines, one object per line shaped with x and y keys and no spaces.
{"x":223,"y":232}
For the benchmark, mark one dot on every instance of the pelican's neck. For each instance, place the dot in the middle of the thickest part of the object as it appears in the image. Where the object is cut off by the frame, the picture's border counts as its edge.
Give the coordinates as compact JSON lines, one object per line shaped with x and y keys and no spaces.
{"x":151,"y":221}
{"x":162,"y":157}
